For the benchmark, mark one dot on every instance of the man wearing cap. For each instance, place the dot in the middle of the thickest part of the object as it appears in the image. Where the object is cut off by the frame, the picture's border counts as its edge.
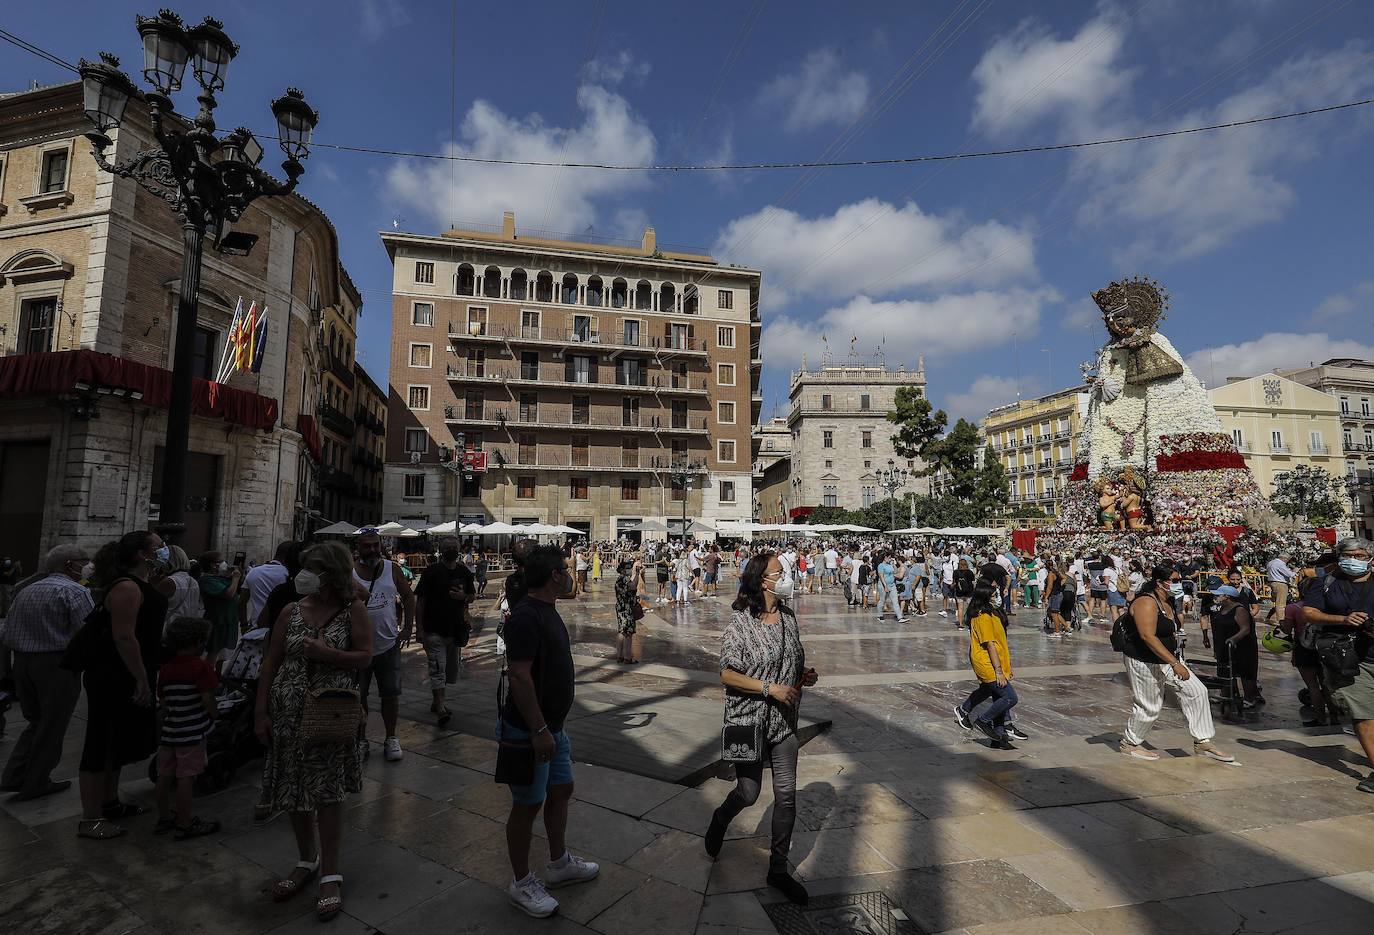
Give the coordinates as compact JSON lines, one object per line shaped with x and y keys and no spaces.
{"x":1346,"y":600}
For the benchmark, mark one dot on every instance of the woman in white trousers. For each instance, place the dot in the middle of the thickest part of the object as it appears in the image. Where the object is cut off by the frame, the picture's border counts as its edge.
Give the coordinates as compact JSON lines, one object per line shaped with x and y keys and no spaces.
{"x":1152,"y":664}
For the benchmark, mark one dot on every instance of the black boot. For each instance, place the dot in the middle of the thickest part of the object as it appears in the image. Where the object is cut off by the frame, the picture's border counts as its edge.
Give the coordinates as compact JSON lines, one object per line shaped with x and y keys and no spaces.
{"x":715,"y":834}
{"x":781,"y":881}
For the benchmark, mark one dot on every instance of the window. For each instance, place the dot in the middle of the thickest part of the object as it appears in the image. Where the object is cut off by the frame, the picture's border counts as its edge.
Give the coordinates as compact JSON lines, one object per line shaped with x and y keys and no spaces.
{"x":1238,"y":438}
{"x":477,"y":321}
{"x":868,"y":464}
{"x":725,"y":336}
{"x":1345,"y":405}
{"x":529,"y":365}
{"x":529,"y":407}
{"x":867,"y":436}
{"x":578,"y":488}
{"x":827,"y":402}
{"x":827,"y":439}
{"x":529,"y":324}
{"x":725,"y":374}
{"x":528,"y":450}
{"x":829,"y":465}
{"x":581,"y":451}
{"x":865,"y":401}
{"x":629,"y":488}
{"x":1318,"y":445}
{"x":474,"y":405}
{"x":424,"y":272}
{"x":203,"y":353}
{"x":524,"y":487}
{"x":418,"y":397}
{"x":36,"y":323}
{"x":1368,"y":440}
{"x":725,"y":413}
{"x":679,"y":449}
{"x":54,"y":177}
{"x":725,"y":451}
{"x":1364,"y":406}
{"x":629,"y":411}
{"x":725,"y":299}
{"x":581,"y":369}
{"x":421,"y":355}
{"x":629,"y":451}
{"x":582,"y":328}
{"x":631,"y":333}
{"x":1347,"y":439}
{"x":1276,"y":440}
{"x":679,"y":491}
{"x":727,"y":491}
{"x":415,"y":486}
{"x":629,"y":371}
{"x":830,"y":495}
{"x":477,"y":362}
{"x":869,"y":495}
{"x":581,"y":410}
{"x":680,"y":337}
{"x":417,"y":440}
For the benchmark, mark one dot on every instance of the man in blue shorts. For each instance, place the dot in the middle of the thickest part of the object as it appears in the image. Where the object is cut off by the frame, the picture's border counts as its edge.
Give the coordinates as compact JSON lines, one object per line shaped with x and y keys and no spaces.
{"x":540,"y":669}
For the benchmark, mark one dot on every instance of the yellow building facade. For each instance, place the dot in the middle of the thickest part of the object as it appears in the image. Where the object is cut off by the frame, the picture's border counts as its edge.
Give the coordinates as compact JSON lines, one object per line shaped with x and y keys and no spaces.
{"x":1037,"y":442}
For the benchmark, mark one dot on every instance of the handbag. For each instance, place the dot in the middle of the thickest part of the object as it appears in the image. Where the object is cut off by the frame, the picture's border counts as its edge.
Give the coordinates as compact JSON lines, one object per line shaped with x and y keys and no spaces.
{"x":329,"y":715}
{"x":93,"y":644}
{"x":742,"y":744}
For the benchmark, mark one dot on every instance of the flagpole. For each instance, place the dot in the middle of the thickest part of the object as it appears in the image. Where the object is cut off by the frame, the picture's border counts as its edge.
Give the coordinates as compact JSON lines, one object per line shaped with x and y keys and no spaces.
{"x":222,"y":374}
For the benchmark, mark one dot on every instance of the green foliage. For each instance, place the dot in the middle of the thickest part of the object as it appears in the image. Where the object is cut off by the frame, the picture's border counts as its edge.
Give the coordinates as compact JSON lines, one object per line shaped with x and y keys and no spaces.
{"x":1027,"y":511}
{"x":1310,"y":494}
{"x":918,"y":427}
{"x":992,"y":483}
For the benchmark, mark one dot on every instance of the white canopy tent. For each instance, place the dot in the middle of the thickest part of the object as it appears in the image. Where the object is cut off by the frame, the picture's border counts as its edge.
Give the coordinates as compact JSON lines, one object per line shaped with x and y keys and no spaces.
{"x":340,"y":528}
{"x":970,"y":531}
{"x":394,"y":530}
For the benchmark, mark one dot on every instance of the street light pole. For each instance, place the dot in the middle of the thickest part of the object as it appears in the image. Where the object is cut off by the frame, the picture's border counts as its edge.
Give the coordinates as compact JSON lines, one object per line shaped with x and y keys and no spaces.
{"x":682,"y":473}
{"x":207,"y":180}
{"x":892,"y":479}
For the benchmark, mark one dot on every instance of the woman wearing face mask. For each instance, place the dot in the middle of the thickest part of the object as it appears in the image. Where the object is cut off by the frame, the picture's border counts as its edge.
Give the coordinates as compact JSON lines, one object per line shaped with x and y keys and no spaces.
{"x":1152,"y":664}
{"x":1234,"y":641}
{"x":219,"y":592}
{"x":320,"y":642}
{"x":763,"y":668}
{"x":120,"y":725}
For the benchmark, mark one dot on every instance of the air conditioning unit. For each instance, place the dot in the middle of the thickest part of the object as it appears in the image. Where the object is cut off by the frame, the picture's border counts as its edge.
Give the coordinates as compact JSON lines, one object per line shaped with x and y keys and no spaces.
{"x":415,"y":457}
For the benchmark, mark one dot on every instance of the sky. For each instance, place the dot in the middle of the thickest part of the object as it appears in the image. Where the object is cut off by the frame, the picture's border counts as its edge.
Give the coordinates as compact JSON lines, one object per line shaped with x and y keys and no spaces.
{"x":982,"y":266}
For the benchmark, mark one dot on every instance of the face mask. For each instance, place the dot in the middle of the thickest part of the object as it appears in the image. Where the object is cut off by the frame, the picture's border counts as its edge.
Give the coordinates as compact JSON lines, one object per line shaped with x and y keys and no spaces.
{"x":163,"y":555}
{"x":783,"y":589}
{"x":1176,"y":588}
{"x":307,"y":582}
{"x":1354,"y":567}
{"x":224,"y":568}
{"x":87,"y":570}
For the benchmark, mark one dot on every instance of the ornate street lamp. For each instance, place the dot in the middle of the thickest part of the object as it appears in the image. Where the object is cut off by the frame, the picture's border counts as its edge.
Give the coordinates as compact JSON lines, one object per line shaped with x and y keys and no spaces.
{"x":683,"y":473}
{"x":206,"y":180}
{"x":892,"y":479}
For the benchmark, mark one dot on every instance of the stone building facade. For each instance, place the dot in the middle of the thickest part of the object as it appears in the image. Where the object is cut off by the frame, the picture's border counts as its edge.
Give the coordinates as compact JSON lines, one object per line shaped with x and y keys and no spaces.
{"x":369,"y":450}
{"x":581,"y":371}
{"x":841,"y":437}
{"x":1351,"y":382}
{"x":1037,"y":442}
{"x":89,"y":276}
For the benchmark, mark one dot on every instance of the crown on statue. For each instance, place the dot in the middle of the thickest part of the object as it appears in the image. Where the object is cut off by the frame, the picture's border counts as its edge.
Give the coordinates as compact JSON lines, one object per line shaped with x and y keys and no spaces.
{"x":1141,"y":301}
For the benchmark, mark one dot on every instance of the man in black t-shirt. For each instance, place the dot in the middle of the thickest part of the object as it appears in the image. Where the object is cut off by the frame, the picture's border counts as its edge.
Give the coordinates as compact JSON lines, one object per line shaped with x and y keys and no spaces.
{"x":540,"y":671}
{"x":441,"y":623}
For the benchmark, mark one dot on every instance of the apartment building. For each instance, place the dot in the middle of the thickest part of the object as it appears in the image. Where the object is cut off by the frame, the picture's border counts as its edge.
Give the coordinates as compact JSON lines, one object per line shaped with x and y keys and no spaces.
{"x":582,"y":372}
{"x":90,"y":268}
{"x":841,"y":437}
{"x":1037,"y":442}
{"x":1351,"y":382}
{"x":369,"y":450}
{"x":338,"y":427}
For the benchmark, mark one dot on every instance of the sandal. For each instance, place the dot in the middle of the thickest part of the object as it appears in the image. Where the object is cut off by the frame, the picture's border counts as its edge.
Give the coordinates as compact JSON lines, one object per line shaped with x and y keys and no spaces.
{"x":283,"y":890}
{"x":327,"y":907}
{"x":98,"y":829}
{"x":116,"y":810}
{"x":198,"y":828}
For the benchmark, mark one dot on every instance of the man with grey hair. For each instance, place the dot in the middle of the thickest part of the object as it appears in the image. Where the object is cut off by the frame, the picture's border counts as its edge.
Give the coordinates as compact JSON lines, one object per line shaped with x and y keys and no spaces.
{"x":1344,"y":604}
{"x":1280,"y":576}
{"x":43,"y":619}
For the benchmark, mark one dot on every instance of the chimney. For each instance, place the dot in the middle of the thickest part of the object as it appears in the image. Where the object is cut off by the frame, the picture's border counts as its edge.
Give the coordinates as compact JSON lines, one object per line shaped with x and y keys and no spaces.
{"x":508,"y":225}
{"x":650,"y":242}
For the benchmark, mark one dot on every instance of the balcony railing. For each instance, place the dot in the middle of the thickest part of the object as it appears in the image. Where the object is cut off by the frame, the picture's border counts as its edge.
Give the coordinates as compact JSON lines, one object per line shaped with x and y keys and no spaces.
{"x":646,"y":423}
{"x":336,"y":420}
{"x":496,"y":375}
{"x":1280,"y":449}
{"x":1318,"y":448}
{"x":341,"y":370}
{"x":1355,"y":446}
{"x":538,"y":334}
{"x":568,"y":460}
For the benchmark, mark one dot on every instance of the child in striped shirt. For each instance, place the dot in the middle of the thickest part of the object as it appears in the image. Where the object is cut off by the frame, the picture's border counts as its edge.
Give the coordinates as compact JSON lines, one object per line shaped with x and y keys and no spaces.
{"x":186,"y":691}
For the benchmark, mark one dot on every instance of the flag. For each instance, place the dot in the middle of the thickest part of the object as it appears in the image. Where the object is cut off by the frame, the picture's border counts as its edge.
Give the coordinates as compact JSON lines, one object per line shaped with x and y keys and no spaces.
{"x":243,"y":345}
{"x":231,"y":341}
{"x":260,"y":346}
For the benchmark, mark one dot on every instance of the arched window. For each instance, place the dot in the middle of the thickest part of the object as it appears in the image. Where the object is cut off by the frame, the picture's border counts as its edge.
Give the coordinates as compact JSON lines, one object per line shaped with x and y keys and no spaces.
{"x":491,"y":283}
{"x":644,"y":296}
{"x":465,"y":283}
{"x":689,"y":300}
{"x":519,"y":284}
{"x":594,"y":291}
{"x":568,"y":296}
{"x":667,"y":298}
{"x":543,"y":287}
{"x":620,"y":294}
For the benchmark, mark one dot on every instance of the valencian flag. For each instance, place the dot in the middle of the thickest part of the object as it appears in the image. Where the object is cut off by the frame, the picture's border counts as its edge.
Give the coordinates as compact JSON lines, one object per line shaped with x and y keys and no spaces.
{"x":243,"y":343}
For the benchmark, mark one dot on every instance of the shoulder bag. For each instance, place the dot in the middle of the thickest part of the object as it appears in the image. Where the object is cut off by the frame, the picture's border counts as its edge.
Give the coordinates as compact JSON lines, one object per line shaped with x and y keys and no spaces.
{"x":329,"y":715}
{"x":93,"y":643}
{"x":742,"y":744}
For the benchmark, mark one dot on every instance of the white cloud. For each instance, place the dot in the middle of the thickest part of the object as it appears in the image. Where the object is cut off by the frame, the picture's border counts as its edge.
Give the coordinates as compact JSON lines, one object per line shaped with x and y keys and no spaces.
{"x":908,"y":328}
{"x":1030,"y":75}
{"x":1276,"y":349}
{"x":1082,"y":315}
{"x":822,"y":91}
{"x":558,"y":199}
{"x":613,"y":69}
{"x":983,"y":394}
{"x":871,"y":245}
{"x":377,"y":17}
{"x":1358,"y":297}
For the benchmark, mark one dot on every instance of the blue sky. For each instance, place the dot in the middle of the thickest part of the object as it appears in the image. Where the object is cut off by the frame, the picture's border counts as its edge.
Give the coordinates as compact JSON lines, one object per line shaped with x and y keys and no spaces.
{"x":984,"y":266}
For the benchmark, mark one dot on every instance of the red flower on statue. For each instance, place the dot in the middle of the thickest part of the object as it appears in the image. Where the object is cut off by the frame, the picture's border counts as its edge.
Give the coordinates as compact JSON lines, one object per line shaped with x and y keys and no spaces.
{"x":1199,"y":461}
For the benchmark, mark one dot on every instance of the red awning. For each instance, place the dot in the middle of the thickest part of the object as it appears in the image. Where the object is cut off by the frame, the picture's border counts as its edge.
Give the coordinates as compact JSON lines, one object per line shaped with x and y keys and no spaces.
{"x":311,"y":431}
{"x":798,"y":512}
{"x":60,"y":371}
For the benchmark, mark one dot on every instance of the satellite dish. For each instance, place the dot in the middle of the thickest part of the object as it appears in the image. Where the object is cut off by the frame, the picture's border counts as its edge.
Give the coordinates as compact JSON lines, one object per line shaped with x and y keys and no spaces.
{"x":415,"y":457}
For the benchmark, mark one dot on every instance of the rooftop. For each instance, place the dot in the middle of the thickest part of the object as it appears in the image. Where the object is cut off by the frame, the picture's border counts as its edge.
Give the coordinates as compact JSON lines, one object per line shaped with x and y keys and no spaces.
{"x":1038,"y":400}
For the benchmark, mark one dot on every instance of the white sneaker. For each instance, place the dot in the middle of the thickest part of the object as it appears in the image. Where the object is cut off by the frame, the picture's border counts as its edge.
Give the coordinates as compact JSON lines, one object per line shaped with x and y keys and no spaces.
{"x":573,"y":870}
{"x":392,"y":749}
{"x":944,"y":613}
{"x":530,"y":897}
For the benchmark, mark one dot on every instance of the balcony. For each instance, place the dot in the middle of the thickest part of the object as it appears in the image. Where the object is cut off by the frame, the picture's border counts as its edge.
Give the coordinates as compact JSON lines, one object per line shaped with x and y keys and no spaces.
{"x":334,"y":479}
{"x":1356,"y":448}
{"x":369,"y":421}
{"x":1063,"y":463}
{"x":336,"y":420}
{"x":342,"y":371}
{"x":1318,"y":448}
{"x":538,"y":336}
{"x":499,"y":376}
{"x":1280,"y":449}
{"x":567,"y":461}
{"x":362,"y":458}
{"x":500,"y":420}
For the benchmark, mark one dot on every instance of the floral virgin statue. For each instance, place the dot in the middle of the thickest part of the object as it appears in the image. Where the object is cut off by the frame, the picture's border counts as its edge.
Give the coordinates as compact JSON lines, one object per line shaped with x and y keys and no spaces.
{"x":1150,"y":430}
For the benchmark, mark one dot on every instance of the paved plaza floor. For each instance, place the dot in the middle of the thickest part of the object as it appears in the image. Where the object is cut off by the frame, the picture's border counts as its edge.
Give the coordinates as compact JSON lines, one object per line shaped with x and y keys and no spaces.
{"x":897,"y":807}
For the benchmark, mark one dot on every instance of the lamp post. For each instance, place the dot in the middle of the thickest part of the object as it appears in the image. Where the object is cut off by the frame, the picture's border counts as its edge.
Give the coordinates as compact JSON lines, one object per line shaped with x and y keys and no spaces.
{"x":683,"y":472}
{"x":206,"y":180}
{"x":892,"y":479}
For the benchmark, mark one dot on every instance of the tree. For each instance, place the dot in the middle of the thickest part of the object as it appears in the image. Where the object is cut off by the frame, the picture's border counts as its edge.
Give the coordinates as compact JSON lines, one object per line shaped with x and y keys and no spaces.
{"x":918,"y":427}
{"x":992,"y":483}
{"x":1027,"y":511}
{"x":956,"y":455}
{"x":1310,"y":494}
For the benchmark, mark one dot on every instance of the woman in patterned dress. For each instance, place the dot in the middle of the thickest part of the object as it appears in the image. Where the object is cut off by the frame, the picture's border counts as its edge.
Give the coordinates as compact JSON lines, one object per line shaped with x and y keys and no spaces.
{"x":322,"y":641}
{"x":763,"y":669}
{"x":626,"y":599}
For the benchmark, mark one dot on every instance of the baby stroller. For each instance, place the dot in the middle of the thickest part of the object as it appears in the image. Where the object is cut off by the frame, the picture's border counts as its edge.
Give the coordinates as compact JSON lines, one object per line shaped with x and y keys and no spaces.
{"x":232,"y":740}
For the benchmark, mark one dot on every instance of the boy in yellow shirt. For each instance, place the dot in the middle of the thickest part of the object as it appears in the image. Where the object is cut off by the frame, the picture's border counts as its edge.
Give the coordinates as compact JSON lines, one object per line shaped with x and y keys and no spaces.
{"x":991,"y":660}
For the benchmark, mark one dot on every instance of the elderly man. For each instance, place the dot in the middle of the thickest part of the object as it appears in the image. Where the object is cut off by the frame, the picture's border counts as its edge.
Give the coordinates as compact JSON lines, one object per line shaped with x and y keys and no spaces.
{"x":1280,"y":577}
{"x":1344,"y":603}
{"x":43,"y":619}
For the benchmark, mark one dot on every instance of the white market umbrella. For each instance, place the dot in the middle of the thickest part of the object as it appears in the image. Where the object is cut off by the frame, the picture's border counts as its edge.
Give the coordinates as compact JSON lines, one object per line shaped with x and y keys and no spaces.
{"x":338,"y":529}
{"x":648,"y":525}
{"x":568,"y":531}
{"x":495,"y":529}
{"x":698,"y":526}
{"x":443,"y":529}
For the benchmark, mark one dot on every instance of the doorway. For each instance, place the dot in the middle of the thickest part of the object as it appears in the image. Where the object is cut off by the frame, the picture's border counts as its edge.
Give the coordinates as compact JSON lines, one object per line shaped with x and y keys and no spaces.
{"x":202,"y":502}
{"x":23,"y":493}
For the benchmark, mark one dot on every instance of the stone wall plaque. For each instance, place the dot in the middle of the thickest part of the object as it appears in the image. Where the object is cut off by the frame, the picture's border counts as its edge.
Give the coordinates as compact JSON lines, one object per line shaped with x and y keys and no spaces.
{"x":104,"y":500}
